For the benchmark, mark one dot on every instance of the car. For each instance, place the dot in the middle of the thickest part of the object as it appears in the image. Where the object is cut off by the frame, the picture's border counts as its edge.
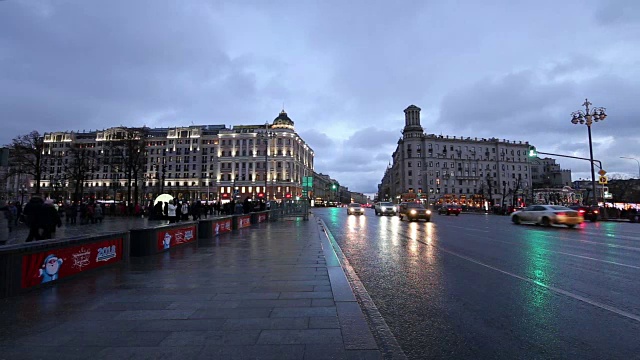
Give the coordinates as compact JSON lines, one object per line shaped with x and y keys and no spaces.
{"x":414,"y":211}
{"x":355,"y":209}
{"x":547,"y":215}
{"x":385,"y":208}
{"x":450,"y":209}
{"x":588,"y":212}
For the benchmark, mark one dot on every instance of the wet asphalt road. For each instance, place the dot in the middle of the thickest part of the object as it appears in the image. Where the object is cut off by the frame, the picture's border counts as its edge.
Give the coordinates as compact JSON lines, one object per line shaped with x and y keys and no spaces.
{"x":479,"y":287}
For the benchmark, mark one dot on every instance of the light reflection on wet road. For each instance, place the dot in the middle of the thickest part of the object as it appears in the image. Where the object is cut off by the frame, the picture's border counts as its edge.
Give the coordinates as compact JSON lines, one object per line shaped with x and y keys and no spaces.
{"x":477,"y":286}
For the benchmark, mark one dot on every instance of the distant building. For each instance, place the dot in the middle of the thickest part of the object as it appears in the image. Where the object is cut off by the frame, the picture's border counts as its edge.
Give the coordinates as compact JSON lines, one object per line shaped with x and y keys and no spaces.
{"x":455,"y":169}
{"x":206,"y":162}
{"x":546,"y":173}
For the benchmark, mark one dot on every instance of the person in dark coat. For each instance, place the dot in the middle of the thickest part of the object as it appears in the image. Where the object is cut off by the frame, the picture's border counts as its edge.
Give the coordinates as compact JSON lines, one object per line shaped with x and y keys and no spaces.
{"x":49,"y":219}
{"x":32,"y":213}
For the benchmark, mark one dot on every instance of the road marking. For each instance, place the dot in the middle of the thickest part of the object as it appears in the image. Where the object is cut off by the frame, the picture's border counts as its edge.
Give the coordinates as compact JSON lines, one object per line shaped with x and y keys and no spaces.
{"x":564,"y":253}
{"x":548,"y":287}
{"x":594,"y":259}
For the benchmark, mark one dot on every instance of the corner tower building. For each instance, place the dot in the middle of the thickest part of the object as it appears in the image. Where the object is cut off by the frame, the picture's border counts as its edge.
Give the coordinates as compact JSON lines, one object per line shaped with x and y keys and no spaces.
{"x":455,"y":169}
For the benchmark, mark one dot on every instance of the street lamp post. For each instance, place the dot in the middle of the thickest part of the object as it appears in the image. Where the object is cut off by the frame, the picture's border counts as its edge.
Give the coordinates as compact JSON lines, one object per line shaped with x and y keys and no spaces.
{"x":630,"y":158}
{"x":587,"y":117}
{"x":266,"y":136}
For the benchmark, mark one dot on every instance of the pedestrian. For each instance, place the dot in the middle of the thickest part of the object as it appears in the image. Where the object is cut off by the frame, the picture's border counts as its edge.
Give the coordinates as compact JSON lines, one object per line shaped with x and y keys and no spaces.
{"x":32,"y":213}
{"x":19,"y":216}
{"x":13,"y":215}
{"x":184,"y":210}
{"x":98,"y":214}
{"x":5,"y":214}
{"x":49,"y":219}
{"x":171,"y":212}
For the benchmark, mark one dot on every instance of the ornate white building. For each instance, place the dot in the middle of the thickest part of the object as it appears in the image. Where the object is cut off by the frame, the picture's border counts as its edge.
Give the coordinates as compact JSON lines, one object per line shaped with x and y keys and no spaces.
{"x":207,"y":162}
{"x":455,"y":169}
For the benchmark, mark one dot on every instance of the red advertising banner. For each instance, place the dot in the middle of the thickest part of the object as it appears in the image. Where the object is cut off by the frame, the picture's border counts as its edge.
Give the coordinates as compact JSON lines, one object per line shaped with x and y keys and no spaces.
{"x":244,"y":221}
{"x":262,"y":218}
{"x":54,"y":264}
{"x":172,"y":237}
{"x":221,"y":226}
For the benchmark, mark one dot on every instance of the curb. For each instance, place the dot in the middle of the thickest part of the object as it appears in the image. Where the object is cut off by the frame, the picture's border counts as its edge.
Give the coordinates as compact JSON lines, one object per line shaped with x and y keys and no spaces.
{"x":352,"y":292}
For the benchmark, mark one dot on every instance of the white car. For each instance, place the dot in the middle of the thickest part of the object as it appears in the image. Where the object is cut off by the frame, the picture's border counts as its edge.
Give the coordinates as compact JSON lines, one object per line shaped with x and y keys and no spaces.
{"x":355,"y":209}
{"x":547,"y":215}
{"x":385,"y":208}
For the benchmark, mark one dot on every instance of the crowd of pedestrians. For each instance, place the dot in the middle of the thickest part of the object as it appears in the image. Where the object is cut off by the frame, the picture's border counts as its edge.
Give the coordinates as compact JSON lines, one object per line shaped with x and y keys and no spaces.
{"x":43,"y":216}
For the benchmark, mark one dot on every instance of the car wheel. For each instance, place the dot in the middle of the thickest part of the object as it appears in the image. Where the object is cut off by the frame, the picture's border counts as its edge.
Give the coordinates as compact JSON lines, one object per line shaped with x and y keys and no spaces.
{"x":546,"y":222}
{"x":594,"y":220}
{"x":571,"y":226}
{"x":516,"y":220}
{"x":457,"y":214}
{"x":428,"y":220}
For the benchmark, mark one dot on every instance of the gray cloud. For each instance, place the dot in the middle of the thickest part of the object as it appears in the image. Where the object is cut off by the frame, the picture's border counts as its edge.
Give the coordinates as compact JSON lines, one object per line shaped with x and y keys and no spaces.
{"x":344,"y":70}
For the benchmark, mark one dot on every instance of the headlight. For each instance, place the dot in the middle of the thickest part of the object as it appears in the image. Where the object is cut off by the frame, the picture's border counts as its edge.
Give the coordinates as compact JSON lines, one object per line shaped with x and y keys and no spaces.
{"x":428,"y":212}
{"x":413,"y":212}
{"x":394,"y":208}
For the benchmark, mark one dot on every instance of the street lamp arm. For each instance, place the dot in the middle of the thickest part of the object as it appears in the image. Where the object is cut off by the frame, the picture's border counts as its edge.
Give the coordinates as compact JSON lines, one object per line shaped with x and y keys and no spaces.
{"x":599,"y":163}
{"x":630,"y":158}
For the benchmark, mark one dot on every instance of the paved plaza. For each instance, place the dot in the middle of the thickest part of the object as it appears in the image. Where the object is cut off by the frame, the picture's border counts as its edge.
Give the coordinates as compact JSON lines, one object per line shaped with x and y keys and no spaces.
{"x":273,"y":291}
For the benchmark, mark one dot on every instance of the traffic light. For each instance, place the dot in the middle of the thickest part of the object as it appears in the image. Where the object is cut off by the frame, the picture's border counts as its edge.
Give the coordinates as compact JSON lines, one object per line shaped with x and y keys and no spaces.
{"x":333,"y":186}
{"x":532,"y":151}
{"x":260,"y":195}
{"x":288,"y":196}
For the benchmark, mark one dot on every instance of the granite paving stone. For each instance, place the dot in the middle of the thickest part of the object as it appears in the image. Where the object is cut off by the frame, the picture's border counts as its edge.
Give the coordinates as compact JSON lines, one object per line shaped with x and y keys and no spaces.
{"x":262,"y":352}
{"x":304,"y":312}
{"x":266,"y":323}
{"x":325,"y":322}
{"x":306,"y":295}
{"x":308,"y":336}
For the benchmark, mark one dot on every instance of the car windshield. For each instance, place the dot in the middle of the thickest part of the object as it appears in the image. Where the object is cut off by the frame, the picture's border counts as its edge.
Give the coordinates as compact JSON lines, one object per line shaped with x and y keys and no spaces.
{"x":558,"y":207}
{"x":354,"y":205}
{"x":386,"y":204}
{"x":415,"y":205}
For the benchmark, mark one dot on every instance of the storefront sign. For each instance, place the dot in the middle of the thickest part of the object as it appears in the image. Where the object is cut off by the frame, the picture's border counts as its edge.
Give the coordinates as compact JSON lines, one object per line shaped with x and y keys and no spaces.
{"x":172,"y":237}
{"x":54,"y":264}
{"x":222,"y":226}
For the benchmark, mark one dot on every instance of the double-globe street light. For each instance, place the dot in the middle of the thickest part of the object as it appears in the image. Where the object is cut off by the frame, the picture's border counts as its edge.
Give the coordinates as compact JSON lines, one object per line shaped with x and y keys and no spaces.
{"x":588,"y":117}
{"x":631,"y":158}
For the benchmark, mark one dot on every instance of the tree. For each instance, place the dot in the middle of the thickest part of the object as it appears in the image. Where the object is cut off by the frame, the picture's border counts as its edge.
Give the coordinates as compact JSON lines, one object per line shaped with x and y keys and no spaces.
{"x":127,"y":156}
{"x":517,"y":187}
{"x":26,"y":154}
{"x":83,"y":162}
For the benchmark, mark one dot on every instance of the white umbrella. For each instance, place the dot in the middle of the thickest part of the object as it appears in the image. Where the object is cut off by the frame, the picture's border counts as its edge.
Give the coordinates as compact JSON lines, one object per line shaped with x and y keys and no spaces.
{"x":163,"y":198}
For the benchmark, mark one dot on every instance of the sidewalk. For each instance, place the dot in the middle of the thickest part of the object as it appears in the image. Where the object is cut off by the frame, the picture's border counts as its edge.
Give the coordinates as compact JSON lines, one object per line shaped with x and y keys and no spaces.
{"x":263,"y":292}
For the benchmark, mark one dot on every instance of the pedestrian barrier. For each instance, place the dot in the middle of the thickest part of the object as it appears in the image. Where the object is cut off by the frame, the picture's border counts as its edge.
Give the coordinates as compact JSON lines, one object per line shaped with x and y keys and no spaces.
{"x":209,"y":228}
{"x":41,"y":263}
{"x":157,"y":239}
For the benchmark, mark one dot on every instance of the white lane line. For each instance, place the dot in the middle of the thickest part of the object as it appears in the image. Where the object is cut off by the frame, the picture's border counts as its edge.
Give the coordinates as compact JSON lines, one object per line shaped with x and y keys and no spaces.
{"x":552,"y":288}
{"x":564,"y":253}
{"x":594,"y":259}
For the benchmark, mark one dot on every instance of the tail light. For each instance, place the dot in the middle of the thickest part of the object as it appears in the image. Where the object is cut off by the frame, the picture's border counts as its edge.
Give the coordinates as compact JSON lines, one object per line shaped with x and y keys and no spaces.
{"x":581,"y":211}
{"x":561,"y":213}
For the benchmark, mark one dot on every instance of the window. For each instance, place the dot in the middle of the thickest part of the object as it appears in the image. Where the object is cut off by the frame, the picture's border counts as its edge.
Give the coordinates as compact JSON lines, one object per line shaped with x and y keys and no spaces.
{"x":409,"y":164}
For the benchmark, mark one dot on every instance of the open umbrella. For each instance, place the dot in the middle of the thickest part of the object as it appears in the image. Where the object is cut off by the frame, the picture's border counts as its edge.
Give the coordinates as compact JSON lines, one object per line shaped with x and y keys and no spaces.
{"x":163,"y":198}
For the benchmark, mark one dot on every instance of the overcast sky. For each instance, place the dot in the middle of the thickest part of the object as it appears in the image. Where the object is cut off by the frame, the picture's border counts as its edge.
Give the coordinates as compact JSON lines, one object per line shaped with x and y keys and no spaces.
{"x":345,"y":71}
